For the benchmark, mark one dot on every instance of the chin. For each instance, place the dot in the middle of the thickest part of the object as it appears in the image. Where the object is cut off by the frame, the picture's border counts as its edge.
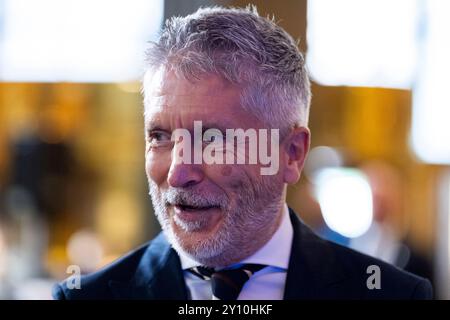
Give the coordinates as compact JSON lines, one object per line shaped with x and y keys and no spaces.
{"x":190,"y":241}
{"x":203,"y":245}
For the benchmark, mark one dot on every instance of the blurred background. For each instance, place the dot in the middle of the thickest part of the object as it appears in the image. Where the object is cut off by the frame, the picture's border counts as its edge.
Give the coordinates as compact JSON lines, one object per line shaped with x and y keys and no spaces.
{"x":72,"y":183}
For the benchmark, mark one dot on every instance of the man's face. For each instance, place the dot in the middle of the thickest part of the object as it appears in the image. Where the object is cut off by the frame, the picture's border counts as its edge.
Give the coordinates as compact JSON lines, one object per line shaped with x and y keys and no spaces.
{"x":217,"y":214}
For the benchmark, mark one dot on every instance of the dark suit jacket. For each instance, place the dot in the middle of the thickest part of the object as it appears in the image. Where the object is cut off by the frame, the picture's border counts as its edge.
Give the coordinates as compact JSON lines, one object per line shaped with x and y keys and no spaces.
{"x":318,"y":269}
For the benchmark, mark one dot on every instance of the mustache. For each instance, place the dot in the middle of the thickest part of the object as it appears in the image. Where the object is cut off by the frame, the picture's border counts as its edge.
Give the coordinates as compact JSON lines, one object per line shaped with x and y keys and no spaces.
{"x":194,"y":198}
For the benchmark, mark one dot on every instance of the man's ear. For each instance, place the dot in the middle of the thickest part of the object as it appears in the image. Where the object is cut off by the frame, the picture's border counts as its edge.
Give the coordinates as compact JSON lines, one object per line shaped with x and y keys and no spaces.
{"x":296,"y":147}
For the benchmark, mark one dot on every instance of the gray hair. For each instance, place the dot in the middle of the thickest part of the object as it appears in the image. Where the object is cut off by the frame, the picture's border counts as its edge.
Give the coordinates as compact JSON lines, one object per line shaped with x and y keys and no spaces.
{"x":244,"y":48}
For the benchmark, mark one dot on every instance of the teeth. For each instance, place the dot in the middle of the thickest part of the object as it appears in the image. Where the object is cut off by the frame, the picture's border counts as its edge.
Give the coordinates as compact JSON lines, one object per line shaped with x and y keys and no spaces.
{"x":187,"y":207}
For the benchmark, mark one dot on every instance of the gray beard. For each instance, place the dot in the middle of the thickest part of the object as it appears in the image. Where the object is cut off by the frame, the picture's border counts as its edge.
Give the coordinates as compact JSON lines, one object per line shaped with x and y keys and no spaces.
{"x":249,"y":221}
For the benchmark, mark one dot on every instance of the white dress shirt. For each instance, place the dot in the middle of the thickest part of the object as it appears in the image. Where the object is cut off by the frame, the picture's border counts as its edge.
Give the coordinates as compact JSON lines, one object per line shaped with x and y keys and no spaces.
{"x":266,"y":284}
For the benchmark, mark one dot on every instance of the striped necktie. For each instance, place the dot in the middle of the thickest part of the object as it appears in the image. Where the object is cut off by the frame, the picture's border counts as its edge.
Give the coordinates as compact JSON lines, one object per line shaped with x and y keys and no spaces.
{"x":227,"y":283}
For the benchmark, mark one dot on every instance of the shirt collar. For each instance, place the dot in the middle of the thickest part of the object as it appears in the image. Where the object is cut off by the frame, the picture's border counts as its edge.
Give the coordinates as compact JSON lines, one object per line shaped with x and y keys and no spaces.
{"x":276,"y":252}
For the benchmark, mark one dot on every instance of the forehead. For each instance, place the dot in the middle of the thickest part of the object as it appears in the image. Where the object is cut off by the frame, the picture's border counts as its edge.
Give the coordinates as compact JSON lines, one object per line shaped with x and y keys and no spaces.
{"x":169,"y":96}
{"x":163,"y":82}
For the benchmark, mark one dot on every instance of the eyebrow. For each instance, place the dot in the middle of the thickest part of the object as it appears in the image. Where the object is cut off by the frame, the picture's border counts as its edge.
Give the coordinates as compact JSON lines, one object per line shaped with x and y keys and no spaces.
{"x":153,"y":125}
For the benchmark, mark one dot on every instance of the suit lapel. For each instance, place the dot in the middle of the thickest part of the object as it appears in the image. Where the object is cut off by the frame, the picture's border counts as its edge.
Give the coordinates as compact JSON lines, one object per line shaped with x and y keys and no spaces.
{"x":313,"y":271}
{"x":159,"y":275}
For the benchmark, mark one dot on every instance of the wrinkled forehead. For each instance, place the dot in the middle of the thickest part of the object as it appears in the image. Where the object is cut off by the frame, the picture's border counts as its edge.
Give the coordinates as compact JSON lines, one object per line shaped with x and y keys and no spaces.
{"x":161,"y":82}
{"x":168,"y":95}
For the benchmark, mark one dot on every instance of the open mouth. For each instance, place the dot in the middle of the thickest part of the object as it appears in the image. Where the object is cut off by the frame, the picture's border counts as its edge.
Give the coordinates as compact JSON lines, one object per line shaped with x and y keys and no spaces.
{"x":195,"y":214}
{"x":189,"y":208}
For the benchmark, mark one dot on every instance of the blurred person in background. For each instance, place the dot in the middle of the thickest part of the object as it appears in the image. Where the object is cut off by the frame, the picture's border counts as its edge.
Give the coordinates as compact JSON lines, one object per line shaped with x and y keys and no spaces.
{"x":35,"y":195}
{"x":384,"y":240}
{"x":227,"y":231}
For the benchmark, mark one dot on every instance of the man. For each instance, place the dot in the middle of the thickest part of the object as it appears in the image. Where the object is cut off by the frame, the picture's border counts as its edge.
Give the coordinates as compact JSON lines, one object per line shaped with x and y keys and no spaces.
{"x":217,"y":193}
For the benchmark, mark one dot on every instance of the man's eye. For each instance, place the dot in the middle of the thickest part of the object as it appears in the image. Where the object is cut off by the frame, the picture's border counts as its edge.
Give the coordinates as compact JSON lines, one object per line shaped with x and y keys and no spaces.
{"x":158,"y":138}
{"x":212,"y":136}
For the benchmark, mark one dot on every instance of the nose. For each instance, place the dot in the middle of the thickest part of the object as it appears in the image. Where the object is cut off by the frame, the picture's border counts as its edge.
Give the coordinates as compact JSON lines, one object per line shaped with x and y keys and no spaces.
{"x":182,"y":174}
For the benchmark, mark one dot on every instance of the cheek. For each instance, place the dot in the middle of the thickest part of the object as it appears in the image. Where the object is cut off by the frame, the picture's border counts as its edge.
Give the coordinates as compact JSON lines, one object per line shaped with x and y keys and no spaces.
{"x":230,"y":178}
{"x":226,"y":171}
{"x":156,"y":167}
{"x":221,"y":174}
